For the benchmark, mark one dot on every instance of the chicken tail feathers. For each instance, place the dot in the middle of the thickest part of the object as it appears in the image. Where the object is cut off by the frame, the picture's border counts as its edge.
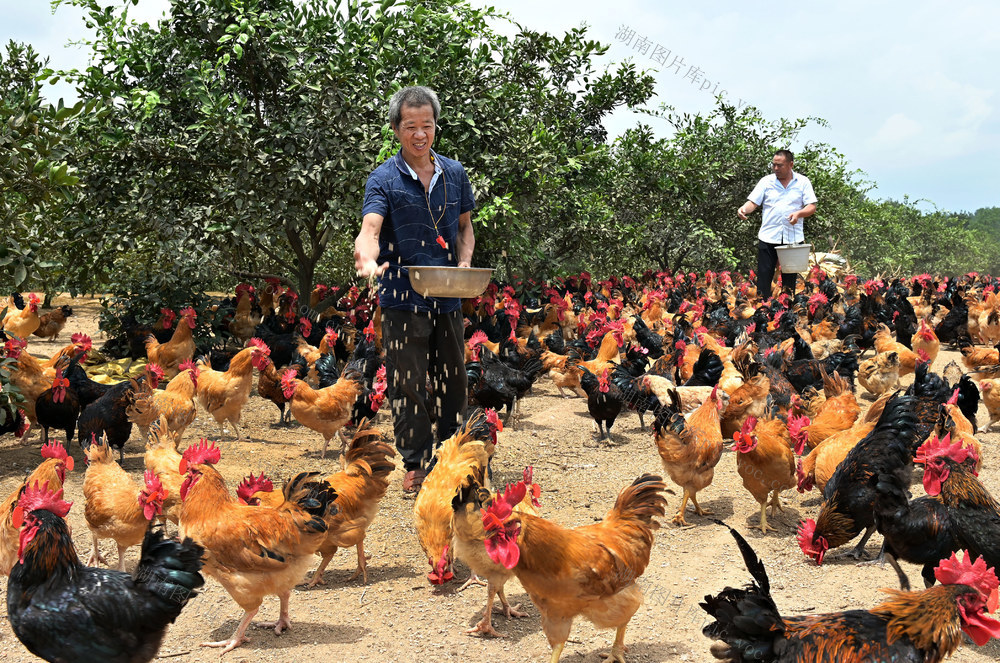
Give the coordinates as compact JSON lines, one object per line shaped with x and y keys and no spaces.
{"x":746,"y":620}
{"x":642,"y":501}
{"x":313,"y":495}
{"x":169,"y":570}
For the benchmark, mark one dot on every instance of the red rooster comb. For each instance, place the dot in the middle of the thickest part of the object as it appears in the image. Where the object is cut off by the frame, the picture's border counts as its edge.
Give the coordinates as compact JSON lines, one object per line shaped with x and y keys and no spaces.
{"x":251,"y":485}
{"x":55,"y":449}
{"x":203,"y":453}
{"x":331,"y":336}
{"x":953,"y":571}
{"x":954,"y":398}
{"x":188,"y":312}
{"x":307,"y":326}
{"x":441,"y":571}
{"x":812,"y":545}
{"x":82,"y":341}
{"x":975,"y":622}
{"x":38,"y":496}
{"x":797,"y":430}
{"x":189,"y":366}
{"x":260,"y":345}
{"x":935,"y":448}
{"x":477,"y":338}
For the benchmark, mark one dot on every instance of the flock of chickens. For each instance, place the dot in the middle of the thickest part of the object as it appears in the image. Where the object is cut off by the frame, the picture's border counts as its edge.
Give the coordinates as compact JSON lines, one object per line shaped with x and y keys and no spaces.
{"x":700,"y":354}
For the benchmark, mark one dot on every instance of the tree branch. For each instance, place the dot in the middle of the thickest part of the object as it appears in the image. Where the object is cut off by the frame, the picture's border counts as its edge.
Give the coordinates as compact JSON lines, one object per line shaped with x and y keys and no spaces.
{"x":259,"y":275}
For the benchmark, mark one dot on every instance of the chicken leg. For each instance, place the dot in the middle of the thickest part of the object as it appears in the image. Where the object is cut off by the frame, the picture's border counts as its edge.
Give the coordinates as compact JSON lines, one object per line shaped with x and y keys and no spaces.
{"x":618,"y":649}
{"x":284,"y":622}
{"x":239,"y":635}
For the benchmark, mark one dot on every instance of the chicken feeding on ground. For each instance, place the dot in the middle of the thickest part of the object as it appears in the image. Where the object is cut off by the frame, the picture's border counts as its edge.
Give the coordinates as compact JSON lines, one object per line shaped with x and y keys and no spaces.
{"x":51,"y":324}
{"x":850,"y":495}
{"x":459,"y":456}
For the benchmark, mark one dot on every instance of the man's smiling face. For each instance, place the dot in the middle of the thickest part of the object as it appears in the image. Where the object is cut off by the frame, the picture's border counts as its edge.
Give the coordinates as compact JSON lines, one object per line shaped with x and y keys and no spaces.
{"x":416,"y":132}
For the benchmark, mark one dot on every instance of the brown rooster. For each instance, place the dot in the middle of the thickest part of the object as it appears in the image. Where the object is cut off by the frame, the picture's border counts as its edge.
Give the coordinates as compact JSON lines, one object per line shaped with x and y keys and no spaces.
{"x":690,"y":449}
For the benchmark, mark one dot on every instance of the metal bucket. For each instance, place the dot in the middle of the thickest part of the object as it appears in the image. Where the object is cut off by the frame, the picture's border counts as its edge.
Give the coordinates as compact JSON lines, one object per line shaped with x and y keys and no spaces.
{"x":794,"y":258}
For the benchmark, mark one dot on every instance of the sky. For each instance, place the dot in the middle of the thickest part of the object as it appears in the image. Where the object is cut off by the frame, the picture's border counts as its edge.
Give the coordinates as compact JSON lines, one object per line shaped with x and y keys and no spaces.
{"x":909,"y":89}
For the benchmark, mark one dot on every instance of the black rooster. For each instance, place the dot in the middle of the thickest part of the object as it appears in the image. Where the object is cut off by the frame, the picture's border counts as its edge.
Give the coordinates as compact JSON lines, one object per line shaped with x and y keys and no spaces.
{"x":604,"y":401}
{"x":98,"y":614}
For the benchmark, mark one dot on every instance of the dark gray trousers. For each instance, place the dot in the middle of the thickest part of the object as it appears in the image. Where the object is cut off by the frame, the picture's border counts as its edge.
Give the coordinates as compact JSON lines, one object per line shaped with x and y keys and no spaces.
{"x":419,"y":346}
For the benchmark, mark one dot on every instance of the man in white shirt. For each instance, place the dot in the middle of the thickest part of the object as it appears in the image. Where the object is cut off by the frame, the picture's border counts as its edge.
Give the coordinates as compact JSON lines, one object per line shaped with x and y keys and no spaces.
{"x":787,"y":198}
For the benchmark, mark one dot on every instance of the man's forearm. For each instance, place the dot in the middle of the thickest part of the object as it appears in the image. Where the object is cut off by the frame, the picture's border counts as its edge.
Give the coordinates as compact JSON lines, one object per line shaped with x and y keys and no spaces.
{"x":465,"y":240}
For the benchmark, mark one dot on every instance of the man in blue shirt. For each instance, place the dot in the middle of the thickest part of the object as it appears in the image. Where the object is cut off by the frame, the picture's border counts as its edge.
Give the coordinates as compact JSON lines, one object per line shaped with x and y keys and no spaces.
{"x":787,"y":198}
{"x":418,"y":211}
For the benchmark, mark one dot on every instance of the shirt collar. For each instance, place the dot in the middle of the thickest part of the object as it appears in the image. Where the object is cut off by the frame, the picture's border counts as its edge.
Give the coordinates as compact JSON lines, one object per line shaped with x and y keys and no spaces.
{"x":406,"y":168}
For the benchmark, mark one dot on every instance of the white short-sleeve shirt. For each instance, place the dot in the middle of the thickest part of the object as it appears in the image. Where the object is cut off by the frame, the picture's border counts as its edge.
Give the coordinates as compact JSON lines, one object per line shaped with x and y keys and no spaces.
{"x":777,"y":202}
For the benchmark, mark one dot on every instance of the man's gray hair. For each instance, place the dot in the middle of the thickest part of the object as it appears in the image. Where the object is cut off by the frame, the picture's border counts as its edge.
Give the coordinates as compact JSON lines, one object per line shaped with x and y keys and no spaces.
{"x":415,"y":95}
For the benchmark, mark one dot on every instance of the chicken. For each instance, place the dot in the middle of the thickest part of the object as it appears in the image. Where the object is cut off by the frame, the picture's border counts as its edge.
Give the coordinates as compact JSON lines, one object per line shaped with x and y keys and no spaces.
{"x":31,"y":379}
{"x":253,"y":551}
{"x":180,"y":348}
{"x":590,"y":570}
{"x":176,"y":403}
{"x":607,"y":355}
{"x":459,"y":456}
{"x":99,"y":614}
{"x":565,"y":374}
{"x":470,"y":539}
{"x":850,"y":494}
{"x":108,"y":415}
{"x":23,"y":323}
{"x":604,"y":401}
{"x":161,"y":458}
{"x":816,"y":468}
{"x":838,"y":413}
{"x":990,"y":390}
{"x":750,"y":400}
{"x":924,"y":626}
{"x":223,"y":394}
{"x":52,"y":472}
{"x":691,"y":449}
{"x":880,"y":374}
{"x":360,"y":486}
{"x":269,"y":385}
{"x":925,"y":339}
{"x":51,"y":324}
{"x":766,"y":463}
{"x":973,"y":512}
{"x":116,"y":507}
{"x":326,"y":410}
{"x":244,"y":320}
{"x":989,"y":320}
{"x":975,"y":359}
{"x":58,"y":407}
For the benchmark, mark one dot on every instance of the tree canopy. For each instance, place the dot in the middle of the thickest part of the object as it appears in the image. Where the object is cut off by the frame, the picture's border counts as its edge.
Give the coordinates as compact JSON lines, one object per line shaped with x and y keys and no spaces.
{"x":235,"y":138}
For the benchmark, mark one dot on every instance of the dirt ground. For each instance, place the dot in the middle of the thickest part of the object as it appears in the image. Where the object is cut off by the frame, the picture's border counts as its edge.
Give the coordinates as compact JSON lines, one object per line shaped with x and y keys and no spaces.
{"x":397,"y":616}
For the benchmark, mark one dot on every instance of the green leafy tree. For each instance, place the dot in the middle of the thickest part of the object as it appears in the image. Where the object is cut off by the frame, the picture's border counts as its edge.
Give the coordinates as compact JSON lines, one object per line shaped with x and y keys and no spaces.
{"x":37,"y":182}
